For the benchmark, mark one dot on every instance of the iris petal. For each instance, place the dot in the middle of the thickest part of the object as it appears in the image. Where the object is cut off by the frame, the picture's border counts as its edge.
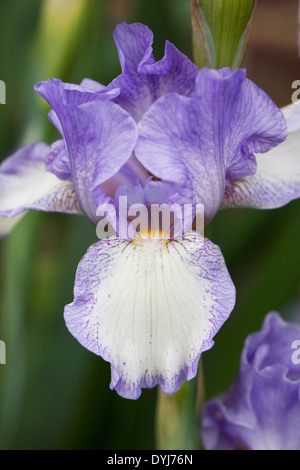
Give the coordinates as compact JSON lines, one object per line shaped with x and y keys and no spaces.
{"x":150,"y":308}
{"x":99,"y":136}
{"x":143,"y":80}
{"x":261,"y":409}
{"x":25,"y":184}
{"x":277,"y":178}
{"x":201,"y":142}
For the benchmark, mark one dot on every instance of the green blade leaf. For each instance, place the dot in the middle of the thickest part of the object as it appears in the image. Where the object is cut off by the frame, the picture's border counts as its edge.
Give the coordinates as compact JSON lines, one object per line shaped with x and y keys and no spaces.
{"x":220,"y":31}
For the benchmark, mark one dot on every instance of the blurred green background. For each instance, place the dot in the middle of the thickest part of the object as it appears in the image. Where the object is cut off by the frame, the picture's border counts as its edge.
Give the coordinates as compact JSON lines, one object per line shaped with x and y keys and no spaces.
{"x":54,"y":394}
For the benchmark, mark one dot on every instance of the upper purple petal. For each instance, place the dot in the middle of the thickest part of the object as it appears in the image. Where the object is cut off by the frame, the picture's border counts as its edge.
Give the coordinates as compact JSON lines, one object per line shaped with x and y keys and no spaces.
{"x":54,"y":89}
{"x":99,"y":136}
{"x":201,"y":142}
{"x":57,"y":160}
{"x":129,"y":175}
{"x":143,"y":80}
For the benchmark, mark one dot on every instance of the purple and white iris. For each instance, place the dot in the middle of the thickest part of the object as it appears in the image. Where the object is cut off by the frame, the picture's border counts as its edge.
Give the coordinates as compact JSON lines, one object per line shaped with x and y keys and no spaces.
{"x":261,"y":410}
{"x":161,"y":132}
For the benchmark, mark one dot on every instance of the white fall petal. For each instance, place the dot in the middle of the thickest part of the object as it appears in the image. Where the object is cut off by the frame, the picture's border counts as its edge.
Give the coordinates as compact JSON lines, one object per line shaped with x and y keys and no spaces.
{"x":25,"y":184}
{"x":150,"y":307}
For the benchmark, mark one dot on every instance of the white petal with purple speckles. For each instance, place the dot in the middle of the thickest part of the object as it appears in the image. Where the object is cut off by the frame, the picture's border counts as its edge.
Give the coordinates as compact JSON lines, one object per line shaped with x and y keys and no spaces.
{"x":150,"y":308}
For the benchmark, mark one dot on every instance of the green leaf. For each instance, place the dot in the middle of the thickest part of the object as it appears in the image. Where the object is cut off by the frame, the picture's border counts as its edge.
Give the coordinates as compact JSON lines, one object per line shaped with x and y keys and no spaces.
{"x":220,"y":31}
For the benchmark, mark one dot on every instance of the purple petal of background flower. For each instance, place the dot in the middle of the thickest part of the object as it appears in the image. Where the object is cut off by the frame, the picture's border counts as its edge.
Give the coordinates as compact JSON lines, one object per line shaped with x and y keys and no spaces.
{"x":261,"y":410}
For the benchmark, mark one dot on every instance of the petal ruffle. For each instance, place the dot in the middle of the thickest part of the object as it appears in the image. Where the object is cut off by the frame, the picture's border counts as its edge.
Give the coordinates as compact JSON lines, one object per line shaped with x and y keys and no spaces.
{"x":150,"y":308}
{"x":277,"y":178}
{"x":25,"y":184}
{"x":201,"y":141}
{"x":54,"y":89}
{"x":57,"y":161}
{"x":99,"y":136}
{"x":143,"y":80}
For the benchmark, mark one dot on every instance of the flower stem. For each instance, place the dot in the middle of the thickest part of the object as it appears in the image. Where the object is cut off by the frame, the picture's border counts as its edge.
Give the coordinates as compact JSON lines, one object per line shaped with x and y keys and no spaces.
{"x":178,"y":416}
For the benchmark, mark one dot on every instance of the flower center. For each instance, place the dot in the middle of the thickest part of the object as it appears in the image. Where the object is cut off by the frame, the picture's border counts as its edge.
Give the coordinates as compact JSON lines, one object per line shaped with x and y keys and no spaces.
{"x":147,"y":237}
{"x":149,"y":249}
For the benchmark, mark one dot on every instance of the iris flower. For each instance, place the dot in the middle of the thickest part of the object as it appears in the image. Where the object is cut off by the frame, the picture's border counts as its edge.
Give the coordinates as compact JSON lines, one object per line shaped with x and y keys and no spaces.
{"x":261,"y":410}
{"x":160,"y":133}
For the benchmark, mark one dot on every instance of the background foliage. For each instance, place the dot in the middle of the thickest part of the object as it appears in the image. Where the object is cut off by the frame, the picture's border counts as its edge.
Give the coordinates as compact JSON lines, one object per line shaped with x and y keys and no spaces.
{"x":53,"y":393}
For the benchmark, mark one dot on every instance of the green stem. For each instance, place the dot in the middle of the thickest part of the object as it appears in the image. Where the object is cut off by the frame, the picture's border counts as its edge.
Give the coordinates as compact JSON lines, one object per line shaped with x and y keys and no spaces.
{"x":178,"y":416}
